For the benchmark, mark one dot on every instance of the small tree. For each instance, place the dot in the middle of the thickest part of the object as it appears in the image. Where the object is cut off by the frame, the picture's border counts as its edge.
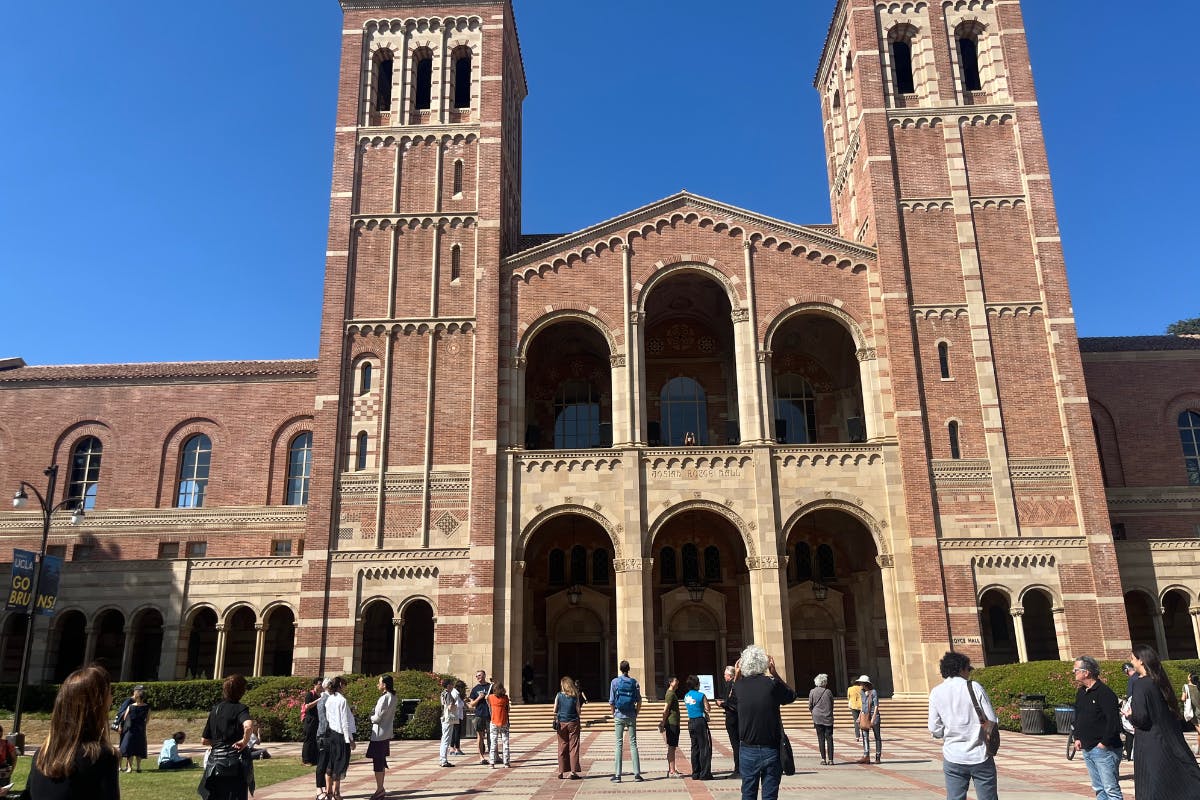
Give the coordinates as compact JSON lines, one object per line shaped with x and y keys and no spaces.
{"x":1184,"y":327}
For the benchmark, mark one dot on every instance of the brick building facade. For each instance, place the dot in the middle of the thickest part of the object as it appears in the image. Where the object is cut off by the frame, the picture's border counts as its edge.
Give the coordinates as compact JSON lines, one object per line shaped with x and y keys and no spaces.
{"x":658,"y":438}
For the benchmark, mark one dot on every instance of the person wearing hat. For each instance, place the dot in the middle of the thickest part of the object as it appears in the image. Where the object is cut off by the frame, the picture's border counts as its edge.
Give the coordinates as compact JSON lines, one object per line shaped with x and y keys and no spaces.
{"x":870,"y":710}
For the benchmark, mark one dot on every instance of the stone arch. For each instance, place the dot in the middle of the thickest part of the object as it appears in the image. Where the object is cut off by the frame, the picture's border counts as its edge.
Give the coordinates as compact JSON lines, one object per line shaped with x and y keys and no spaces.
{"x":997,"y":627}
{"x":1141,"y":606}
{"x":1038,"y":603}
{"x":240,"y":620}
{"x":565,"y":315}
{"x":1178,"y":635}
{"x":818,"y":308}
{"x":68,"y":643}
{"x":681,"y":506}
{"x":854,"y":506}
{"x":544,"y":516}
{"x":709,"y":269}
{"x":375,"y":637}
{"x":1108,"y":444}
{"x":109,"y":633}
{"x":1184,"y":401}
{"x":417,"y":633}
{"x":279,"y":638}
{"x":146,"y":627}
{"x":200,"y":643}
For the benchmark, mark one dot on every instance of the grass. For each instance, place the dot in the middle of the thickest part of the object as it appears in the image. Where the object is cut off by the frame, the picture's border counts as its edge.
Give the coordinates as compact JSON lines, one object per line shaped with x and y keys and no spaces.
{"x":151,"y":784}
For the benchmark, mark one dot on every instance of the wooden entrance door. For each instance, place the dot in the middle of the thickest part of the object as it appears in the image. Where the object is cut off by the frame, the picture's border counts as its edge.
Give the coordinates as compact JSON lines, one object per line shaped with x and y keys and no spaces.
{"x":585,"y":662}
{"x":695,"y":658}
{"x":811,"y":657}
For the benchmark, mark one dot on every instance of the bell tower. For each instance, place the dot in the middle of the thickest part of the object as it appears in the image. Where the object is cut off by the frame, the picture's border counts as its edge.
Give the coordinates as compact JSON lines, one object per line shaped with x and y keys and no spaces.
{"x":424,"y":205}
{"x":936,"y":158}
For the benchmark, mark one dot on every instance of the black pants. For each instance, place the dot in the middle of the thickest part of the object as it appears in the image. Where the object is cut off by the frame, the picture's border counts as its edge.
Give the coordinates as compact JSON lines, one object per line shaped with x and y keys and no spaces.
{"x":182,"y":763}
{"x":701,"y":748}
{"x":1128,"y":749}
{"x":735,"y":743}
{"x":322,"y":760}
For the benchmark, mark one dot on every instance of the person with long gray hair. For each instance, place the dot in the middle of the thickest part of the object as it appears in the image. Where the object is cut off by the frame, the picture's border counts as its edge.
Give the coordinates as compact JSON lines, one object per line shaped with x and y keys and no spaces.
{"x":820,"y":705}
{"x":756,"y":697}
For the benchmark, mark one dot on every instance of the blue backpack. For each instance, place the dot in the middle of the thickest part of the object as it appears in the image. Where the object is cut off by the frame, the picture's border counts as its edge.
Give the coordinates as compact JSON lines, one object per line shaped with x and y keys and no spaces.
{"x":626,"y":690}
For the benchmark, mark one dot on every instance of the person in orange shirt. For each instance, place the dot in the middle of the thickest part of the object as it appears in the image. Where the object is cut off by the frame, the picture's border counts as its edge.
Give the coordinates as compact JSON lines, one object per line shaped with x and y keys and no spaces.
{"x":498,"y":702}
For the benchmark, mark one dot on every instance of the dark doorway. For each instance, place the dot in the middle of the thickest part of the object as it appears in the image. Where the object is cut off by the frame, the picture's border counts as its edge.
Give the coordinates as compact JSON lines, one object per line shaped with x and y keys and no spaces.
{"x":696,"y":658}
{"x":416,"y":637}
{"x":811,"y":657}
{"x":584,"y":661}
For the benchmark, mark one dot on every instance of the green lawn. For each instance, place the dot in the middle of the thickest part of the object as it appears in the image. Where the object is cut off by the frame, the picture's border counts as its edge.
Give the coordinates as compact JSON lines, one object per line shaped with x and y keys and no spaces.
{"x":151,"y":784}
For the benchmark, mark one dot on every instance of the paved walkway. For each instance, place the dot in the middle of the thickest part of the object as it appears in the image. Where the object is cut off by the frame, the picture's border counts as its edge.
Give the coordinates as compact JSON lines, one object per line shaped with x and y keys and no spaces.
{"x":1031,"y":767}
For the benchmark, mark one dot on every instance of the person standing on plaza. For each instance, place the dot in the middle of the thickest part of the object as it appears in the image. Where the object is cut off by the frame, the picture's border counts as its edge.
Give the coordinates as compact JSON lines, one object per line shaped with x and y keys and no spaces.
{"x":498,"y":703}
{"x":669,"y":726}
{"x":954,"y":718}
{"x":1166,"y":768}
{"x":870,"y":711}
{"x":820,"y":705}
{"x":341,"y":737}
{"x":1098,"y":729}
{"x":382,"y":721}
{"x":731,"y":720}
{"x":1131,"y":676}
{"x":698,"y":713}
{"x":449,"y":721}
{"x":757,"y":696}
{"x":625,"y":699}
{"x":477,"y":702}
{"x":854,"y":700}
{"x":308,"y":722}
{"x":322,"y":763}
{"x":459,"y":695}
{"x":1190,"y":698}
{"x":567,"y":705}
{"x":133,"y":731}
{"x":228,"y":771}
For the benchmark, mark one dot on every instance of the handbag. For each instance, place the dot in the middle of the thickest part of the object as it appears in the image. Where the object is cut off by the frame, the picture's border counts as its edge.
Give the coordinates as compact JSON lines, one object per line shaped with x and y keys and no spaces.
{"x":864,"y":721}
{"x":1189,"y":710}
{"x":989,"y":731}
{"x":787,"y":759}
{"x":1126,"y":707}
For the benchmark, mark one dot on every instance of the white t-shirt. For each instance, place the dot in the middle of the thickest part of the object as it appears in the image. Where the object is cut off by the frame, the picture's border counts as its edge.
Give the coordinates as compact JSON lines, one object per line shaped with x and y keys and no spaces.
{"x":952,"y":719}
{"x":337,"y":713}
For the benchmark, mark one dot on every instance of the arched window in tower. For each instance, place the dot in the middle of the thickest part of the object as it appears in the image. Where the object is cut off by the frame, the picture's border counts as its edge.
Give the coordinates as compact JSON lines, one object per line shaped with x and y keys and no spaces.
{"x":1189,"y":436}
{"x":952,"y":433}
{"x":364,"y":378}
{"x":85,"y":472}
{"x":691,"y":564}
{"x":422,"y":80}
{"x":900,"y":46}
{"x":1099,"y":452}
{"x":600,"y":567}
{"x":825,"y":564}
{"x":193,"y":472}
{"x":944,"y":360}
{"x":576,"y":416}
{"x":384,"y":66}
{"x":556,"y":566}
{"x":968,"y":62}
{"x":462,"y":80}
{"x":299,"y":469}
{"x":579,"y":565}
{"x":712,"y":564}
{"x":455,"y":263}
{"x":667,"y":566}
{"x":684,"y":410}
{"x":360,"y":451}
{"x":795,"y":410}
{"x":458,"y":178}
{"x":803,"y":562}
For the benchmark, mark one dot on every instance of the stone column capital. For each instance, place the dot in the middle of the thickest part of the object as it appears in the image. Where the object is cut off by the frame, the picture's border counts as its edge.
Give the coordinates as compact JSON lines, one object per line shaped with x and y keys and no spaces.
{"x":260,"y":626}
{"x":1016,"y":611}
{"x":740,"y":315}
{"x":866,"y":354}
{"x":632,"y":564}
{"x":616,"y":360}
{"x":764,"y":356}
{"x":220,"y":627}
{"x":1194,"y":611}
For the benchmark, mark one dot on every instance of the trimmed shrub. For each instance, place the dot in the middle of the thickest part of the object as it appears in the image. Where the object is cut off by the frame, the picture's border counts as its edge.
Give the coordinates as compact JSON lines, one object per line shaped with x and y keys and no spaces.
{"x":275,"y":704}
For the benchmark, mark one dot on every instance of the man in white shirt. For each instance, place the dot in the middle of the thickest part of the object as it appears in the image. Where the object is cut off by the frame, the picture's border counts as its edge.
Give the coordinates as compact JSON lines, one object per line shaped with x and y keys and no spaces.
{"x":954,"y":720}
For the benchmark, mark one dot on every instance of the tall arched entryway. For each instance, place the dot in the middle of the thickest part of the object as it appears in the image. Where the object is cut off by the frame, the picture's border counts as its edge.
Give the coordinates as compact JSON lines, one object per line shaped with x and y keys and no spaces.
{"x":146,"y":645}
{"x":1041,"y":641}
{"x":68,"y":644}
{"x":201,"y":644}
{"x":239,"y":642}
{"x":700,"y":594}
{"x":843,"y":634}
{"x":569,"y":606}
{"x":690,"y":367}
{"x":279,"y":641}
{"x":816,"y":384}
{"x":378,"y":639}
{"x":109,"y":630}
{"x":12,"y":647}
{"x":1140,"y":611}
{"x":1177,"y":625}
{"x":568,"y":388}
{"x":416,"y":636}
{"x":997,"y":629}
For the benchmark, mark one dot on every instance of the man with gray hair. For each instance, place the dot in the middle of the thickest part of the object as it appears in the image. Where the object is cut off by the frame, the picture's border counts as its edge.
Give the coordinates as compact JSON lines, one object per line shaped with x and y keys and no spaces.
{"x":731,"y":719}
{"x":1098,"y":729}
{"x":756,"y":698}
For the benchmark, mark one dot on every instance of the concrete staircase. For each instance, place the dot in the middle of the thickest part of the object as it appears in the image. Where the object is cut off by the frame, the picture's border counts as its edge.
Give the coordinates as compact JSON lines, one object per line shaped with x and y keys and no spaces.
{"x":895,"y":712}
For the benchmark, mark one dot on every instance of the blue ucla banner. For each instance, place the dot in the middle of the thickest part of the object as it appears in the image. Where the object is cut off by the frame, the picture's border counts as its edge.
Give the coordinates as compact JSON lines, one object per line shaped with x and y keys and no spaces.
{"x":48,"y":584}
{"x":21,"y":585}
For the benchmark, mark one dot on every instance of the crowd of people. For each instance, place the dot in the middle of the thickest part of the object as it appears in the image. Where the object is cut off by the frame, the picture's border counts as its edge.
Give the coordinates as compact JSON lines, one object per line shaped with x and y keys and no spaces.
{"x":77,"y":760}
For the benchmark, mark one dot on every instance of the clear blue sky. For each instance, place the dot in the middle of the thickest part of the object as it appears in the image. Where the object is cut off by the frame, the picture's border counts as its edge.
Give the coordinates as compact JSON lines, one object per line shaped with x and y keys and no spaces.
{"x":164,"y":179}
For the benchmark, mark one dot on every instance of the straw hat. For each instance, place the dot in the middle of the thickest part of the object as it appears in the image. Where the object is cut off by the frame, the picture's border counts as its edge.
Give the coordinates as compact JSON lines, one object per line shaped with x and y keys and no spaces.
{"x":864,"y":679}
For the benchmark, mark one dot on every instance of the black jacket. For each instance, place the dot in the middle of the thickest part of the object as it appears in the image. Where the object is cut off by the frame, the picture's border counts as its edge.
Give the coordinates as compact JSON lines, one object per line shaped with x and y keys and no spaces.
{"x":756,"y":702}
{"x":1098,"y":717}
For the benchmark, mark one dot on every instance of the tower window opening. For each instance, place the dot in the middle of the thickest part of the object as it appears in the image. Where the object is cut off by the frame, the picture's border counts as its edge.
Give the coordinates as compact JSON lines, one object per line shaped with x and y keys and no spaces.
{"x":455,"y":263}
{"x":360,"y":454}
{"x":944,"y":360}
{"x":952,"y":431}
{"x":364,"y":381}
{"x":458,"y":178}
{"x":462,"y":81}
{"x":968,"y":59}
{"x":423,"y":75}
{"x":902,"y":66}
{"x":383,"y":82}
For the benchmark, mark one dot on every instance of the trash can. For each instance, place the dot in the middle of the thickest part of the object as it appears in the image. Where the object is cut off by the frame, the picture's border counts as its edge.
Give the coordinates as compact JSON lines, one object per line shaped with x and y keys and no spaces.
{"x":1033,"y":718}
{"x":1064,"y":718}
{"x":408,"y":707}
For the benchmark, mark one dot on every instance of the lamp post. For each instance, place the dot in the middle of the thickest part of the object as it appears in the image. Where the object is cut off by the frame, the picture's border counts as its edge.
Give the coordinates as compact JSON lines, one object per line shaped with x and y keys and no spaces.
{"x":46,"y":503}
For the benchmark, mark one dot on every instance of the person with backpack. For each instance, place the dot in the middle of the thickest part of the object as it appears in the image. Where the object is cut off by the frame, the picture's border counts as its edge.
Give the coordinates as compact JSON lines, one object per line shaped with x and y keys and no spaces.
{"x":625,"y":699}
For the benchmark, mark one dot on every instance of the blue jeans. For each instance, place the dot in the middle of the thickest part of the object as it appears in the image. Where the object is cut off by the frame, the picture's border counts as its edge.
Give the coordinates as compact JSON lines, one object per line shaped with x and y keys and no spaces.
{"x":619,"y":728}
{"x":760,"y":763}
{"x":959,"y":776}
{"x":1103,"y":765}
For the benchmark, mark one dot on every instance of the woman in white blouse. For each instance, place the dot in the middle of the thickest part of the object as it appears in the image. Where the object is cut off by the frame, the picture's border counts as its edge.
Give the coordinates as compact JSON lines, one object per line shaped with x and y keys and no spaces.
{"x":381,"y":732}
{"x":341,"y":738}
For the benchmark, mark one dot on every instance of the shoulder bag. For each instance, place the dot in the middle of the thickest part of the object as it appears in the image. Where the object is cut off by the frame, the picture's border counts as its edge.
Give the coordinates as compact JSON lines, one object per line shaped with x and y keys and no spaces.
{"x":787,"y":758}
{"x":989,"y":731}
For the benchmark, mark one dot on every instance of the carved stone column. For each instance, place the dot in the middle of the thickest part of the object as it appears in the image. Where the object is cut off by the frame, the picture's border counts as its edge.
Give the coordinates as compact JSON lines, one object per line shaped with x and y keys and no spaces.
{"x":1061,"y":634}
{"x":219,"y":662}
{"x":1160,"y":633}
{"x":516,"y":628}
{"x":126,"y":654}
{"x":1194,"y":611}
{"x":635,"y":620}
{"x":168,"y":657}
{"x":516,"y":401}
{"x":749,"y":419}
{"x":766,"y":392}
{"x":622,"y":428}
{"x":769,"y":606}
{"x":868,"y":365}
{"x":260,"y":645}
{"x":397,"y":640}
{"x":1018,"y":613}
{"x":89,"y":650}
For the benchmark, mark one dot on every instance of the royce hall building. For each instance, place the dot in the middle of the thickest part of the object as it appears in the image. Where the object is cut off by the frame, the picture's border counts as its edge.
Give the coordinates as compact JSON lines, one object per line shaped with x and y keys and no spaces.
{"x":659,"y":438}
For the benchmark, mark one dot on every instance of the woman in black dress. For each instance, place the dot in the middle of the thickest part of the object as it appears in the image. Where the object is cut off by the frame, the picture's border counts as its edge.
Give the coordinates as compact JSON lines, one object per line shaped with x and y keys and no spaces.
{"x":229,"y":773}
{"x":76,"y":762}
{"x":309,"y":752}
{"x":1165,"y":768}
{"x":133,"y":731}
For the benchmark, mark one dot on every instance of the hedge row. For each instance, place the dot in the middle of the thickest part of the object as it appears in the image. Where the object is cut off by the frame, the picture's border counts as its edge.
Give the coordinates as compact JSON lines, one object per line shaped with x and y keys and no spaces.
{"x":1006,"y":684}
{"x":274,"y":702}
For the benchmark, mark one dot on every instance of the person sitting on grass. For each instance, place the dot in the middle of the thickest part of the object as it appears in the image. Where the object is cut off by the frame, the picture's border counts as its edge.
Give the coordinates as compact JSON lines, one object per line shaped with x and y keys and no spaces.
{"x":169,"y":758}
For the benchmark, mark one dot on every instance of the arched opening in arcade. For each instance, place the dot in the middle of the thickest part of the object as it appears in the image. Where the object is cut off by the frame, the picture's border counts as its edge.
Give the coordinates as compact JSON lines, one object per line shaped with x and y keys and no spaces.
{"x":201,"y":656}
{"x":12,"y":646}
{"x":68,"y":645}
{"x":700,"y":595}
{"x":1177,"y":626}
{"x":1140,"y":610}
{"x":835,"y":601}
{"x":816,"y":383}
{"x":1041,"y":640}
{"x":690,"y":364}
{"x":279,"y":640}
{"x":239,"y":642}
{"x":146,"y":646}
{"x":997,"y":629}
{"x":416,"y":636}
{"x":569,"y":606}
{"x":568,"y":388}
{"x":109,"y":630}
{"x":377,"y":639}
